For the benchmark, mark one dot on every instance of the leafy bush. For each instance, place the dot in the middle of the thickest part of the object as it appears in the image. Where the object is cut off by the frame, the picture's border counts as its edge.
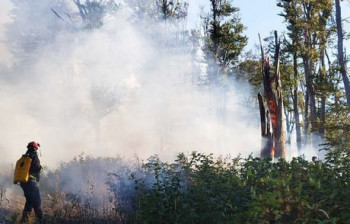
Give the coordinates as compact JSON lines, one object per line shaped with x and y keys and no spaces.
{"x":197,"y":188}
{"x":201,"y":189}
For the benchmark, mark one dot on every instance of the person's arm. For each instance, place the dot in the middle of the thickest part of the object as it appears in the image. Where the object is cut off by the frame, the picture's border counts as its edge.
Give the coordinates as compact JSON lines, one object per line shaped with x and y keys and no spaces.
{"x":35,"y":166}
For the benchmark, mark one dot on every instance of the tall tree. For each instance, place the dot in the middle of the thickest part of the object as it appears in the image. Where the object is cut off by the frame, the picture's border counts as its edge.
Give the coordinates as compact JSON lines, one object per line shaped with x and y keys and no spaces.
{"x":323,"y":81}
{"x":296,"y":35}
{"x":342,"y":62}
{"x":224,"y":36}
{"x":291,"y":14}
{"x":309,"y":32}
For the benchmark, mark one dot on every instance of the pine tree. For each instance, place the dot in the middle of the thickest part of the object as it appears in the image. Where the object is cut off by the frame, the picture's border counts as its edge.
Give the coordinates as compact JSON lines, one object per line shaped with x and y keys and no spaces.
{"x":224,"y":36}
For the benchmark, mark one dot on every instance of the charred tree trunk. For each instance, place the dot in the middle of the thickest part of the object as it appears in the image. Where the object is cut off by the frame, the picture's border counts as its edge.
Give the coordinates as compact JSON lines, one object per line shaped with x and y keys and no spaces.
{"x":279,"y":130}
{"x":266,"y":134}
{"x":271,"y":108}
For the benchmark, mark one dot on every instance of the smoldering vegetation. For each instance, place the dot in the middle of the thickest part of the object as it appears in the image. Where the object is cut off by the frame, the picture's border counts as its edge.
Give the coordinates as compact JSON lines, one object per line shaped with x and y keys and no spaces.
{"x":84,"y":190}
{"x":88,"y":190}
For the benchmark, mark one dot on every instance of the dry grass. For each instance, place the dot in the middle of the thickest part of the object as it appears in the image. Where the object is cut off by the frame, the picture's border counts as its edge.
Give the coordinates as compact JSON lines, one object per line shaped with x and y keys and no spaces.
{"x":58,"y":208}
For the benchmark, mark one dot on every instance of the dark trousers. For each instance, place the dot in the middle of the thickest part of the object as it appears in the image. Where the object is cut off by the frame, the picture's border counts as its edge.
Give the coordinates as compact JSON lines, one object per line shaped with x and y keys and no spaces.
{"x":32,"y":195}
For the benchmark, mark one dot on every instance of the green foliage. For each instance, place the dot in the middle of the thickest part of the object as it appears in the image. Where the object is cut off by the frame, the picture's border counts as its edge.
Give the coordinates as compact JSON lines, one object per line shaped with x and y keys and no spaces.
{"x":201,"y":189}
{"x":224,"y":33}
{"x":250,"y":69}
{"x":309,"y":31}
{"x":338,"y":128}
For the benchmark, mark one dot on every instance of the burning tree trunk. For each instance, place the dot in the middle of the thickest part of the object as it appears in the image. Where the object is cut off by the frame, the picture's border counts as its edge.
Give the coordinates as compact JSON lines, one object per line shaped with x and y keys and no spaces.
{"x":271,"y":108}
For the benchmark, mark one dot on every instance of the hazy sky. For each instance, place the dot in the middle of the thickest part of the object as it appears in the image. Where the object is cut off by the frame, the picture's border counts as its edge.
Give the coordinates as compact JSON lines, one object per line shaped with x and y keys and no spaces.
{"x":4,"y":18}
{"x":259,"y":16}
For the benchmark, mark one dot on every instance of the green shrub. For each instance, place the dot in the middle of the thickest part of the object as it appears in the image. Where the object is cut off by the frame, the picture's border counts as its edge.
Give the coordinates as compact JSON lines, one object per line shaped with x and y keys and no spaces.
{"x":201,"y":189}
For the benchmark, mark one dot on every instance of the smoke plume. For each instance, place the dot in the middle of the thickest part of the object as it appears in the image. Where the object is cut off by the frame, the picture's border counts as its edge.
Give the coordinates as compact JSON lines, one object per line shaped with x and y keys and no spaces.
{"x":121,"y":89}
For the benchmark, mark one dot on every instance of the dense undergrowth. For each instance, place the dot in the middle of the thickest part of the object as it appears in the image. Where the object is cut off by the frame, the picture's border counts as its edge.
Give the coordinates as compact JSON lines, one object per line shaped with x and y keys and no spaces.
{"x":198,"y":189}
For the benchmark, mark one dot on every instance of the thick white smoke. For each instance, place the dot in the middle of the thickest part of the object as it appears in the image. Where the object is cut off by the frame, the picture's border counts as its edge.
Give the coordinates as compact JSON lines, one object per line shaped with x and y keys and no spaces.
{"x":136,"y":80}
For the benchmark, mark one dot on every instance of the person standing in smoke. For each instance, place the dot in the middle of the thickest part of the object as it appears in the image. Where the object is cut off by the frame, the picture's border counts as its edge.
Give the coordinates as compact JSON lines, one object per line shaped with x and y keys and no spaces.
{"x":31,"y":188}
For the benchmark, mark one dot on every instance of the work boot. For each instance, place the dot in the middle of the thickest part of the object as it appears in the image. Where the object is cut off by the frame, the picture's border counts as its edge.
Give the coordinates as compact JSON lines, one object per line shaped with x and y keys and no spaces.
{"x":25,"y":217}
{"x":39,"y":216}
{"x":39,"y":221}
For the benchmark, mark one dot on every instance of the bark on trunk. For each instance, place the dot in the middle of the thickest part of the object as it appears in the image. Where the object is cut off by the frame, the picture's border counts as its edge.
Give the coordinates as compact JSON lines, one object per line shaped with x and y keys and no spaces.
{"x":310,"y":114}
{"x":323,"y":97}
{"x":266,"y":135}
{"x":295,"y":104}
{"x":308,"y":96}
{"x":280,"y":151}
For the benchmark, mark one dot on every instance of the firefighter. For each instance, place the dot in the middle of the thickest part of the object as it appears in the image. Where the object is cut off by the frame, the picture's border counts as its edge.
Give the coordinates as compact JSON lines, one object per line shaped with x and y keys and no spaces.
{"x":31,"y":188}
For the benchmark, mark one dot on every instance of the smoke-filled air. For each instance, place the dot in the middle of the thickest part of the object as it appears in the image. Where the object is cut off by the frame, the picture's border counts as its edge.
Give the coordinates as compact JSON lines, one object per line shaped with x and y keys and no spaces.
{"x":130,"y":85}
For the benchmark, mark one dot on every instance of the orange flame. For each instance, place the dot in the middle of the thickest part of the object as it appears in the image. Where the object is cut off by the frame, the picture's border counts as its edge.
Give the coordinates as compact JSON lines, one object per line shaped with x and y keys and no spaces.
{"x":272,"y":152}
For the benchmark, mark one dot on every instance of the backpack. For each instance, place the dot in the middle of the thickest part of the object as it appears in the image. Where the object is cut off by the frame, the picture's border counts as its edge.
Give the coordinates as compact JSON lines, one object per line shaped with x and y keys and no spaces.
{"x":21,"y":173}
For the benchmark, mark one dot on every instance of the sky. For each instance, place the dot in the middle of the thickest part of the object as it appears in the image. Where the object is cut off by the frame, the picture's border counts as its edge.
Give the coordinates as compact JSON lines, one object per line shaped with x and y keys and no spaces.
{"x":259,"y":17}
{"x":254,"y":15}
